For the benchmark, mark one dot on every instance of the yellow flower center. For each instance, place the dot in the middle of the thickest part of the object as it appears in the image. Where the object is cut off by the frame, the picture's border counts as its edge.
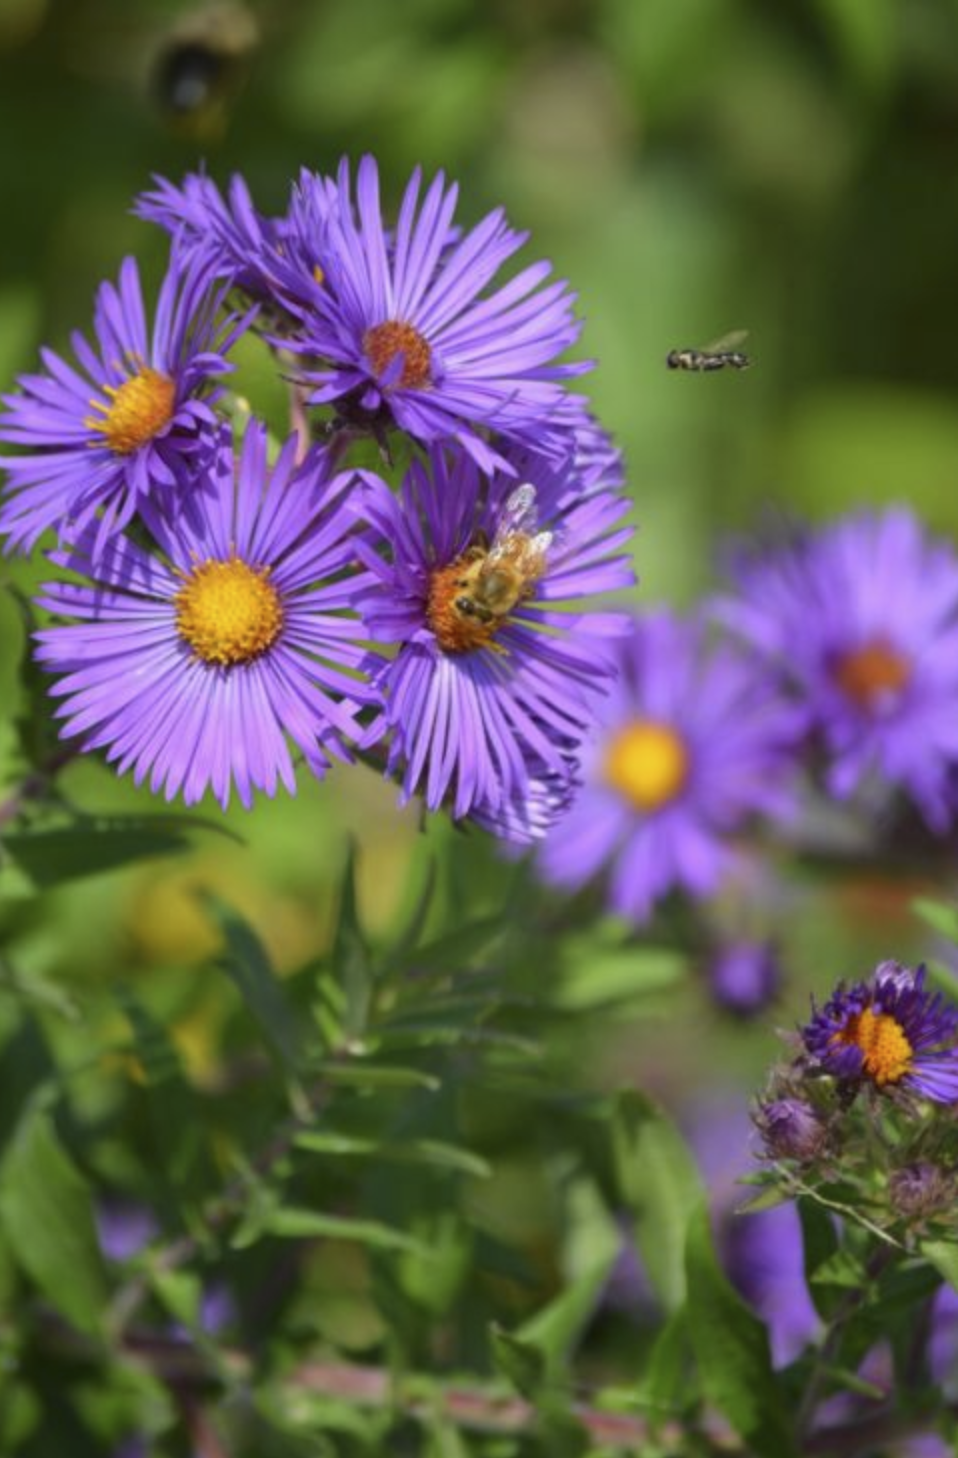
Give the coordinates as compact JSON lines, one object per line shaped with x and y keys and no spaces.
{"x":886,"y":1052}
{"x":140,"y":408}
{"x":872,"y":673}
{"x":384,"y":341}
{"x":648,"y":764}
{"x":228,"y":612}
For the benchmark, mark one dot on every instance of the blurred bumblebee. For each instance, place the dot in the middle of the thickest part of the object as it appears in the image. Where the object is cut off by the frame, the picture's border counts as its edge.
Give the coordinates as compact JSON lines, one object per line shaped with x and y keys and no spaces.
{"x":723,"y":354}
{"x":200,"y":65}
{"x":471,"y":598}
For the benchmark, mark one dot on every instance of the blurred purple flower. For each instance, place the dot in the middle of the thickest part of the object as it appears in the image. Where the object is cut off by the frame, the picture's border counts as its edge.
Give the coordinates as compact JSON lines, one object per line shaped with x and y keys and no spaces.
{"x":744,"y":976}
{"x":860,"y":619}
{"x":691,"y":745}
{"x":889,"y":1031}
{"x":124,"y":1228}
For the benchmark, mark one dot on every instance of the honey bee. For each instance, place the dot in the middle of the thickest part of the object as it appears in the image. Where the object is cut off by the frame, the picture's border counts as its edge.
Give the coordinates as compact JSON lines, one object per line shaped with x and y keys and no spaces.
{"x":493,"y":580}
{"x":722,"y":354}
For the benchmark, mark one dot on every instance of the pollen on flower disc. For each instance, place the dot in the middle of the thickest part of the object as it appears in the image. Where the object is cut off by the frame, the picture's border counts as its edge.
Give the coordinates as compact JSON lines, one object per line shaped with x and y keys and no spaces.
{"x":873,"y":673}
{"x":886,"y":1051}
{"x":647,"y":763}
{"x":139,"y":409}
{"x":456,"y":631}
{"x":383,"y":342}
{"x":228,"y":612}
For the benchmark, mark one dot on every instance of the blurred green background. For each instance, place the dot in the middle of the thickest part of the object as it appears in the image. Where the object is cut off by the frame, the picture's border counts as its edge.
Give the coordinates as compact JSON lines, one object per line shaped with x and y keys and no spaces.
{"x":693,"y":166}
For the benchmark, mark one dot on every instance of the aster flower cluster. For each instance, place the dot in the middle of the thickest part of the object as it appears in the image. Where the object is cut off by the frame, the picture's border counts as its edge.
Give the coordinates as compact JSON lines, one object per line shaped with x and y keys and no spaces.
{"x":867,"y":1101}
{"x":830,"y":663}
{"x":226,"y":606}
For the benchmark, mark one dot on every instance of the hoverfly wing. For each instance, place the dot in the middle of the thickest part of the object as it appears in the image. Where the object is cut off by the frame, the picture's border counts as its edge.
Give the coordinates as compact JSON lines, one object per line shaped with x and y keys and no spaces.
{"x":726,"y":343}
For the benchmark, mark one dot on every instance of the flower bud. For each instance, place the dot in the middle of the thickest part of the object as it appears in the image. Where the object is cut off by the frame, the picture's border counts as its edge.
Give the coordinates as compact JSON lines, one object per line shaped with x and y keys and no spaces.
{"x":790,"y":1129}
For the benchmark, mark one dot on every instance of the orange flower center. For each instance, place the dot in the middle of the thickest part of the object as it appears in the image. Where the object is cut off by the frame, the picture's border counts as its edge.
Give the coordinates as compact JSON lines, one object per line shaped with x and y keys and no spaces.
{"x":383,"y":342}
{"x":139,"y":409}
{"x":648,"y":764}
{"x":228,"y":612}
{"x":886,"y":1052}
{"x":870,"y":674}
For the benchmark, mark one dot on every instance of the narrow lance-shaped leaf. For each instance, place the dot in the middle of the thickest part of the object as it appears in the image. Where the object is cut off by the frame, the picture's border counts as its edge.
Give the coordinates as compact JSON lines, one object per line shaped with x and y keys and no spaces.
{"x":555,"y":1329}
{"x":351,"y":959}
{"x":245,"y":962}
{"x":731,"y":1350}
{"x":659,"y":1185}
{"x":47,"y":1213}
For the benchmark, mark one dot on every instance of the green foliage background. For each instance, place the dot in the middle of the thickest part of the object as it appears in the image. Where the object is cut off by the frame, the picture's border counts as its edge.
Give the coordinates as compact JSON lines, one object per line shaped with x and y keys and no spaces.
{"x":692,"y":166}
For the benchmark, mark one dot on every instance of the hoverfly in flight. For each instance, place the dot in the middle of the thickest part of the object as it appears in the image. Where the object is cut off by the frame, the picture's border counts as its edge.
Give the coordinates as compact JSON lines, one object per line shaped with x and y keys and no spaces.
{"x":723,"y":354}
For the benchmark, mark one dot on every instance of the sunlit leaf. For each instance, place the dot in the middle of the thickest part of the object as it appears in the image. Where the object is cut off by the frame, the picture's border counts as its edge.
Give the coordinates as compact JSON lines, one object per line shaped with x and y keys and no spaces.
{"x":409,"y":1151}
{"x":944,"y":1257}
{"x":659,"y":1185}
{"x":297,"y":1224}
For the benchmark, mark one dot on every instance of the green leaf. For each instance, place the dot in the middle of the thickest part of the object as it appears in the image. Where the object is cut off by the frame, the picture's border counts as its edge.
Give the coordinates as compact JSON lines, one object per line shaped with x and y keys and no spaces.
{"x":555,"y":1330}
{"x":867,"y":32}
{"x":820,"y":1243}
{"x":180,"y":1293}
{"x":46,"y":1210}
{"x":350,"y":957}
{"x":665,"y":1389}
{"x":96,"y":844}
{"x":659,"y":1184}
{"x":731,"y":1349}
{"x":520,"y":1362}
{"x":298,"y":1224}
{"x":943,"y":1255}
{"x":245,"y":962}
{"x":359,"y":1075}
{"x":410,"y":1151}
{"x":605,"y":975}
{"x":940,"y":916}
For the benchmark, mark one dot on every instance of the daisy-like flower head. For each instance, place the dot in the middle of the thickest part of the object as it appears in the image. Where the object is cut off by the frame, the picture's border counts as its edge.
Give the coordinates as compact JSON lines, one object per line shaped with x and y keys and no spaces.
{"x":860,"y":619}
{"x":889,"y":1032}
{"x":691,"y":745}
{"x":132,"y":422}
{"x":407,"y":330}
{"x":227,"y":231}
{"x":494,"y":684}
{"x":196,"y":664}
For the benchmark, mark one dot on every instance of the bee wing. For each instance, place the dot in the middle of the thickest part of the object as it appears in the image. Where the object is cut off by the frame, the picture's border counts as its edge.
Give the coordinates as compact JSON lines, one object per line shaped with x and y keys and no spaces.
{"x":733,"y":340}
{"x":518,"y":515}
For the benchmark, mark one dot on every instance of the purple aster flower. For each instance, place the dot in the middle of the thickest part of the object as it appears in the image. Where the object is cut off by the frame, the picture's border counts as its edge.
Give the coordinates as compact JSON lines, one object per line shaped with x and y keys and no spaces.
{"x":197,"y":664}
{"x":407,"y":330}
{"x":226,"y":231}
{"x":133,"y":422}
{"x":494,"y":683}
{"x":744,"y":976}
{"x":861,"y":620}
{"x":888,"y":1032}
{"x":691,"y":745}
